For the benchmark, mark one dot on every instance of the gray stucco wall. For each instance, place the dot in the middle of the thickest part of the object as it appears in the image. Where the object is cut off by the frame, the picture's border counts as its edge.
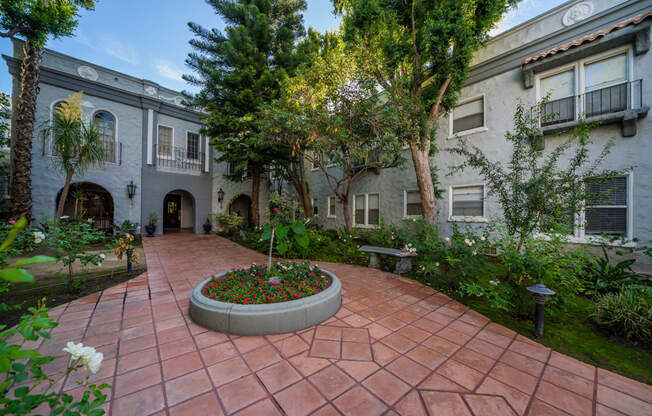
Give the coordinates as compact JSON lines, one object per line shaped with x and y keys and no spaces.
{"x":47,"y":181}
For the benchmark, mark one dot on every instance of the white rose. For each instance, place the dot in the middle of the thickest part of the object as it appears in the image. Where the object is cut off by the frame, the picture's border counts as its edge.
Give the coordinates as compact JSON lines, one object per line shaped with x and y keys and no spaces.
{"x":447,"y":239}
{"x":102,"y":256}
{"x":38,"y":237}
{"x":75,"y":350}
{"x":482,"y":238}
{"x":94,"y":362}
{"x":437,"y":264}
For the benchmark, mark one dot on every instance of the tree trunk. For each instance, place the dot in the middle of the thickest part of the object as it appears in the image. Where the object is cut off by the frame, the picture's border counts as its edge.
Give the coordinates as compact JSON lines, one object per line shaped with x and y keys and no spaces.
{"x":255,"y":196}
{"x":302,"y":192}
{"x":421,"y":160}
{"x":64,"y":195}
{"x":347,"y":214}
{"x":21,"y":149}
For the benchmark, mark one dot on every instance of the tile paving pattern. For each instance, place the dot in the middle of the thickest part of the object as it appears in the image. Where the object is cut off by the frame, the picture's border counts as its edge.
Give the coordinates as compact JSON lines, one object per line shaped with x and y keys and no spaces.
{"x":395,"y":347}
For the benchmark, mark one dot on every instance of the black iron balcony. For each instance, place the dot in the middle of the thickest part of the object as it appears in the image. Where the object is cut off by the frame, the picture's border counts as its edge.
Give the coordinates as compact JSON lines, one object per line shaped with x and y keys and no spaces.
{"x":608,"y":100}
{"x":179,"y":157}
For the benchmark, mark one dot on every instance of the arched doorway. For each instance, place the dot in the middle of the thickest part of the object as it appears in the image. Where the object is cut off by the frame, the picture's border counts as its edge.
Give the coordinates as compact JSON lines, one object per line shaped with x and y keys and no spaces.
{"x":88,"y":200}
{"x":241,"y":205}
{"x":178,"y":212}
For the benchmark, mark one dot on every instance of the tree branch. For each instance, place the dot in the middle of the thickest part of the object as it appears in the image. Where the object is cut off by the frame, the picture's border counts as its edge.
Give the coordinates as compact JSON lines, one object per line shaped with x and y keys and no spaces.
{"x":434,"y":110}
{"x":10,"y":33}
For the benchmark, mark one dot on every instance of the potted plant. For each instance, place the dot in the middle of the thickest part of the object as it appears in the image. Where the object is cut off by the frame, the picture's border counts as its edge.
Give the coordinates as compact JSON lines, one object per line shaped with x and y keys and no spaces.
{"x":151,"y":224}
{"x":208,"y":226}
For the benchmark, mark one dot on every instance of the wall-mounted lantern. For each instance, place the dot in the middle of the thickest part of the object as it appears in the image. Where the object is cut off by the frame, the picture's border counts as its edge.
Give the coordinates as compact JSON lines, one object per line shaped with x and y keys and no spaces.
{"x":131,"y":190}
{"x":541,"y":294}
{"x":220,"y":196}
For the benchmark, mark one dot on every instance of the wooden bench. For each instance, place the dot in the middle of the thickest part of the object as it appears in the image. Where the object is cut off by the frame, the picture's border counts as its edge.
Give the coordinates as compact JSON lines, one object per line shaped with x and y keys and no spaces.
{"x":403,"y":265}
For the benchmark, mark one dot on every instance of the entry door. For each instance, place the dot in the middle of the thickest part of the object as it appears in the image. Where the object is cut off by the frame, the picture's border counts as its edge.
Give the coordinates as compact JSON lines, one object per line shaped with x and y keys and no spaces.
{"x":172,"y":212}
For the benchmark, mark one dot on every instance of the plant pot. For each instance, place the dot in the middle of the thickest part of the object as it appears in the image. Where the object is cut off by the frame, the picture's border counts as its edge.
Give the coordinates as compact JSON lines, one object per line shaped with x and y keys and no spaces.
{"x":151,"y":229}
{"x":207,"y":228}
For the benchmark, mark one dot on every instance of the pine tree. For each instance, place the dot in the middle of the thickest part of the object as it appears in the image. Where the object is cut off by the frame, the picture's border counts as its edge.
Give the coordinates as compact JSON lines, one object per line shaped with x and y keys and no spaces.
{"x":239,"y":70}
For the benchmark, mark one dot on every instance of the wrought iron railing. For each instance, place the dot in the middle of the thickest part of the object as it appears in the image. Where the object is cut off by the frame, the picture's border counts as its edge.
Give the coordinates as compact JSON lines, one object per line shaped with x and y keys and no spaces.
{"x":608,"y":100}
{"x":178,"y":157}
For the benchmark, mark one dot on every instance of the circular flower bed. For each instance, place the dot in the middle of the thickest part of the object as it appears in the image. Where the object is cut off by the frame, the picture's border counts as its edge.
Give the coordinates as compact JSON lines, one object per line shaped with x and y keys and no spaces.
{"x":255,"y":285}
{"x":251,"y":301}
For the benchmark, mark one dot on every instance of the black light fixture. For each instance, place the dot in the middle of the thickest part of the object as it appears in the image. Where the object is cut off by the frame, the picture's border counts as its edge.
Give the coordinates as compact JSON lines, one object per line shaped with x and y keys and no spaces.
{"x":131,"y":190}
{"x":541,"y":294}
{"x":220,"y":196}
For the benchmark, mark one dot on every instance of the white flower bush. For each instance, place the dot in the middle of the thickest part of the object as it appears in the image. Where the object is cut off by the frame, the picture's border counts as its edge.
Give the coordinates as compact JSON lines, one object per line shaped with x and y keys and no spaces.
{"x":85,"y":356}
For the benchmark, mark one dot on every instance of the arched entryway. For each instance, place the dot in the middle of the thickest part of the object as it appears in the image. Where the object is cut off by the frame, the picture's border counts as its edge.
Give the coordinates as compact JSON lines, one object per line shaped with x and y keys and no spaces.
{"x":178,"y":212}
{"x":88,"y":200}
{"x":241,"y":205}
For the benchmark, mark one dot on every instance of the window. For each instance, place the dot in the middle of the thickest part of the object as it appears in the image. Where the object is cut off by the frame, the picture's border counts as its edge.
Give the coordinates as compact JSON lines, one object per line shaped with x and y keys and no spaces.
{"x":467,"y":202}
{"x":561,"y":90}
{"x":315,"y":207}
{"x":105,"y":122}
{"x":165,"y":141}
{"x":593,"y":86}
{"x":412,"y":204}
{"x":331,"y":207}
{"x":468,"y":116}
{"x":192,"y":146}
{"x":52,"y":149}
{"x":366,"y":209}
{"x":606,"y":210}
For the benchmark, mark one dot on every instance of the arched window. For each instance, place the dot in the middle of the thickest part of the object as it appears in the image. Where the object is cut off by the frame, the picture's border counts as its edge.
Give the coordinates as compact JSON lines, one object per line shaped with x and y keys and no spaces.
{"x":105,"y":122}
{"x":50,"y":146}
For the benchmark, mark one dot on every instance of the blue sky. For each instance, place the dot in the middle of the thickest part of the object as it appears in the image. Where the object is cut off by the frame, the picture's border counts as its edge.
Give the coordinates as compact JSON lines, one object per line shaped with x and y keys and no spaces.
{"x":149,"y":38}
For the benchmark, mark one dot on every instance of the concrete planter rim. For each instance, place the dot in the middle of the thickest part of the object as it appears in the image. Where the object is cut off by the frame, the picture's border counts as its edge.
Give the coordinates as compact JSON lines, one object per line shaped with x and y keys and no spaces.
{"x":264,"y":319}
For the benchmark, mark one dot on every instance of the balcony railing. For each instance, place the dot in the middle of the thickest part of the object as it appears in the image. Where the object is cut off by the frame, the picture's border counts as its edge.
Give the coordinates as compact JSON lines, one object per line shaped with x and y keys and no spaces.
{"x":608,"y":100}
{"x":178,"y":157}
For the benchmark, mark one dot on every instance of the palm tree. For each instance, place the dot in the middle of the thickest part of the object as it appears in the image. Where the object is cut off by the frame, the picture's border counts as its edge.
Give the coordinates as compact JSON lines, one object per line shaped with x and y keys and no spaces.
{"x":77,"y":145}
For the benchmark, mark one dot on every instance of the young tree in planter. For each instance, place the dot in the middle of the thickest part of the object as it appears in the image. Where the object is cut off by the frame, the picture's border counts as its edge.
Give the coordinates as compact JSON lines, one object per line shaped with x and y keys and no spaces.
{"x":78,"y":145}
{"x":348,"y":128}
{"x":34,"y":21}
{"x":419,"y":53}
{"x":240,"y":69}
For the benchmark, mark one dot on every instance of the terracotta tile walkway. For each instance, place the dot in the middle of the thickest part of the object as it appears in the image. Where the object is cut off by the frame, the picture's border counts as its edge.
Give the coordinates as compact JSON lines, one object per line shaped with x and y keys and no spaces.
{"x":395,"y":347}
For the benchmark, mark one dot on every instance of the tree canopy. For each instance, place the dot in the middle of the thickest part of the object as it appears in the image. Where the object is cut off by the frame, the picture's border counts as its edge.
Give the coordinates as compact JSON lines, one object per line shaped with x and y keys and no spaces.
{"x":240,"y":69}
{"x":419,"y":53}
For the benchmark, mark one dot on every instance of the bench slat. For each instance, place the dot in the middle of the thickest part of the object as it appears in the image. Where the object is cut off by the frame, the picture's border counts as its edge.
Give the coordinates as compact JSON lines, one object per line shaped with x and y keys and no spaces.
{"x":387,"y":251}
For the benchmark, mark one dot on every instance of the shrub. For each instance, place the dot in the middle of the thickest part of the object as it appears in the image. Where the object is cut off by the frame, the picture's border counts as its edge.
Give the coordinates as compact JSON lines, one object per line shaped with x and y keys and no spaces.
{"x":627,"y":313}
{"x":602,"y":276}
{"x":229,"y":222}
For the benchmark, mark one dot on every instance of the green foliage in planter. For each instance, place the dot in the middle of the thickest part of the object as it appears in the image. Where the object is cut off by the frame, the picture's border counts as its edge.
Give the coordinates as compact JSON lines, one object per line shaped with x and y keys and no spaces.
{"x":229,"y":222}
{"x":251,"y":285}
{"x":627,"y":313}
{"x":71,"y":241}
{"x":603,"y":276}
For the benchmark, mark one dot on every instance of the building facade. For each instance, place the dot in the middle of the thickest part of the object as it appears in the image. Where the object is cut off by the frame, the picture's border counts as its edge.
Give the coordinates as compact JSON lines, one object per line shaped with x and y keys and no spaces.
{"x":593,"y":58}
{"x":151,"y":140}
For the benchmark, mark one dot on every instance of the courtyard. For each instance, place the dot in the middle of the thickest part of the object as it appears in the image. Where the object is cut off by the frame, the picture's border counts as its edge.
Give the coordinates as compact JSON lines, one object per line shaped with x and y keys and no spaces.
{"x":394,"y":347}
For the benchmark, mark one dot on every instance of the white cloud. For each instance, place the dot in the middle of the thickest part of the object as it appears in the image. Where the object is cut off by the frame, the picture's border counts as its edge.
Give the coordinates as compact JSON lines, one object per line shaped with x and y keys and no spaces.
{"x":120,"y":51}
{"x":168,"y":70}
{"x":82,"y":39}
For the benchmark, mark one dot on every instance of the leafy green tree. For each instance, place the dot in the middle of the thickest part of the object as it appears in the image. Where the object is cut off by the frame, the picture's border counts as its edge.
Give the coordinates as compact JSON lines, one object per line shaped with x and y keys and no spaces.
{"x":333,"y":117}
{"x":35,"y":21}
{"x":538,"y":190}
{"x":419,"y":53}
{"x":78,"y":145}
{"x":239,"y":70}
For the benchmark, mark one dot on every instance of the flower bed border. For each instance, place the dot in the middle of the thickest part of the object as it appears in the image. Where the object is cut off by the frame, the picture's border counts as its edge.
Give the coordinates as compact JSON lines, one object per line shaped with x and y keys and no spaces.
{"x":265,"y":319}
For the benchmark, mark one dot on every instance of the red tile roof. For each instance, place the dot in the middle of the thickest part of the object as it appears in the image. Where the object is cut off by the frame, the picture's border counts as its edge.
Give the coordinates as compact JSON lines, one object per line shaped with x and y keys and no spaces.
{"x":588,"y":38}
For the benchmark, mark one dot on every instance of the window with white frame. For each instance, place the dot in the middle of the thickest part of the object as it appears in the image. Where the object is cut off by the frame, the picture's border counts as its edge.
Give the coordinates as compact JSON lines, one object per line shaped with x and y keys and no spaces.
{"x":315,"y":206}
{"x":106,"y":124}
{"x":597,"y":85}
{"x":467,"y":202}
{"x":192,"y":146}
{"x":331,"y":207}
{"x":366,"y":209}
{"x":606,"y":210}
{"x":165,"y":141}
{"x":467,"y":117}
{"x":412,"y":206}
